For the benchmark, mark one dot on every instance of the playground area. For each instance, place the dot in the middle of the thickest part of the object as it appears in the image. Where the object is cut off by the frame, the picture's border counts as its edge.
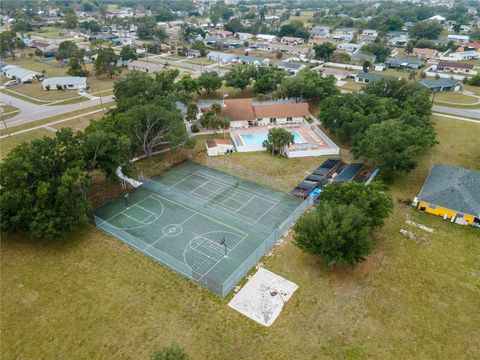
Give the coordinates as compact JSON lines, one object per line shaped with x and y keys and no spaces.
{"x":209,"y":226}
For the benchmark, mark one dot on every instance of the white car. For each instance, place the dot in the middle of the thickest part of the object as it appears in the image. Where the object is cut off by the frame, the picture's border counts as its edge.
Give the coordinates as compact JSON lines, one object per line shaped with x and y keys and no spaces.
{"x":10,"y":83}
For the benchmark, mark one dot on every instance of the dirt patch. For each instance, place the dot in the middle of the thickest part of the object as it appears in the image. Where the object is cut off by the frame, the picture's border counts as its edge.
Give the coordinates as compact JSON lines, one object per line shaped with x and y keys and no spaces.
{"x":30,"y":297}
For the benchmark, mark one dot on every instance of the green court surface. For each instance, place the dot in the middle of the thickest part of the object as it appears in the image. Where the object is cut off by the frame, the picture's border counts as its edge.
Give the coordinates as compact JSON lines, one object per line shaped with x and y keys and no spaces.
{"x":209,"y":226}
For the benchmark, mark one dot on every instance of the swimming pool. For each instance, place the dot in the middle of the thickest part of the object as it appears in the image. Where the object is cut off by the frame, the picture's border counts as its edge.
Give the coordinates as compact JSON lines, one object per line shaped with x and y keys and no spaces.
{"x":257,"y":139}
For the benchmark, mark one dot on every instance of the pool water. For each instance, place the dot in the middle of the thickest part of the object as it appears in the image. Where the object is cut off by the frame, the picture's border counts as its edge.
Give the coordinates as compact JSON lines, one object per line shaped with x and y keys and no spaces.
{"x":257,"y":139}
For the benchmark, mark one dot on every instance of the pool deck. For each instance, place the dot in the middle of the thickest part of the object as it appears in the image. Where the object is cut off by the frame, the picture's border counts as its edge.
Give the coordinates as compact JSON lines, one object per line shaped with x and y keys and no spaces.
{"x":317,"y":143}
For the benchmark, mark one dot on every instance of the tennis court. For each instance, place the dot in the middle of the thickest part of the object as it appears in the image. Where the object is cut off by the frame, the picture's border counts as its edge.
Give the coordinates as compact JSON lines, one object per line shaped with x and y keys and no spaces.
{"x":209,"y":226}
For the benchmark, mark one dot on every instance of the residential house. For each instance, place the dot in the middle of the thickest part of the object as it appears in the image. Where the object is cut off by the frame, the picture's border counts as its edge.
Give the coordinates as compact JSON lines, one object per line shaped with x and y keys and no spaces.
{"x":320,"y":32}
{"x":401,"y":40}
{"x":267,"y":38}
{"x":368,"y":36}
{"x":439,"y":85}
{"x":217,"y":147}
{"x":222,"y":34}
{"x":462,"y":56}
{"x":349,"y":47}
{"x":143,"y":66}
{"x":438,"y":18}
{"x":42,"y":46}
{"x":361,"y":57}
{"x":244,"y":36}
{"x":458,"y":38}
{"x":407,"y":25}
{"x":221,"y":57}
{"x":192,"y":53}
{"x":290,"y":67}
{"x":20,"y":74}
{"x":254,"y":60}
{"x":65,"y":83}
{"x":366,"y":78}
{"x":451,"y":192}
{"x":338,"y":74}
{"x":425,"y":53}
{"x":403,"y":63}
{"x":242,"y":113}
{"x":344,"y":34}
{"x":299,"y":51}
{"x":471,"y":46}
{"x":455,"y":67}
{"x":291,"y":40}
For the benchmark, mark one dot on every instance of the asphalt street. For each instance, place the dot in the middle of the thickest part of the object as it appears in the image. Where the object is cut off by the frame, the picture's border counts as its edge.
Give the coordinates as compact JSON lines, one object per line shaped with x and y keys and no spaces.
{"x":32,"y":112}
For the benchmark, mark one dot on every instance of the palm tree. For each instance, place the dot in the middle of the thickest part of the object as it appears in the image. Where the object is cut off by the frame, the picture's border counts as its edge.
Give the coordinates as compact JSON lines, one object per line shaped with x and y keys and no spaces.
{"x":278,"y":140}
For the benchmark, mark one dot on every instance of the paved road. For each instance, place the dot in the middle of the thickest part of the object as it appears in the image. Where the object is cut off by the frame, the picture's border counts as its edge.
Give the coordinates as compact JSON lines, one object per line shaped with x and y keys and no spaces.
{"x":31,"y":112}
{"x":473,"y":113}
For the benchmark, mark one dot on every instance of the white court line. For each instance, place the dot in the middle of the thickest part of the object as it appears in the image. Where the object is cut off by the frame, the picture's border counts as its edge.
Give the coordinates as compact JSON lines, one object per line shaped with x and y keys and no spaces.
{"x":245,"y":204}
{"x":242,"y":188}
{"x":161,"y":237}
{"x":220,"y":203}
{"x":178,"y":182}
{"x":143,"y":250}
{"x":145,"y":220}
{"x":202,"y":214}
{"x":208,"y":271}
{"x":143,"y":224}
{"x":267,"y":211}
{"x":131,"y":217}
{"x":199,"y":187}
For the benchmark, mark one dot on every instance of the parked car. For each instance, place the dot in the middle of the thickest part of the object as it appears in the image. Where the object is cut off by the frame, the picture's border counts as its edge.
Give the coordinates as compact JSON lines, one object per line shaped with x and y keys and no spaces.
{"x":11,"y":83}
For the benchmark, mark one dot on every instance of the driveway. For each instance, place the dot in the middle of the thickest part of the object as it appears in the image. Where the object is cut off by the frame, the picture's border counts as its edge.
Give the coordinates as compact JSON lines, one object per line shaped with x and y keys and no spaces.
{"x":32,"y":112}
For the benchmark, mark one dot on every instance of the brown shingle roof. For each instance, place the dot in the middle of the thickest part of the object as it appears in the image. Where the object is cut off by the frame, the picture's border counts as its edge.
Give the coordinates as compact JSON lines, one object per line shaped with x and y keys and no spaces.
{"x":456,"y":65}
{"x":239,"y":109}
{"x":281,"y":110}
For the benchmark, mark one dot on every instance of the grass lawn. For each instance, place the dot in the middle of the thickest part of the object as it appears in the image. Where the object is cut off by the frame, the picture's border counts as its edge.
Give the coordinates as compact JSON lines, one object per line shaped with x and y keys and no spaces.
{"x":7,"y":144}
{"x":7,"y":111}
{"x":351,"y":85}
{"x":200,"y":61}
{"x":36,"y":65}
{"x":473,"y":89}
{"x":455,"y":97}
{"x":36,"y":91}
{"x":92,"y":296}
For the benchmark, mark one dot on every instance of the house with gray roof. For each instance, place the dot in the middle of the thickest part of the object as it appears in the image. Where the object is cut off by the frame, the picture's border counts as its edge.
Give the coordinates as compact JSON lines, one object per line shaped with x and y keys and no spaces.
{"x":254,"y":60}
{"x":403,"y":63}
{"x":221,"y":57}
{"x":366,"y":78}
{"x":291,"y":68}
{"x":453,"y":193}
{"x":442,"y":84}
{"x":19,"y":74}
{"x":65,"y":83}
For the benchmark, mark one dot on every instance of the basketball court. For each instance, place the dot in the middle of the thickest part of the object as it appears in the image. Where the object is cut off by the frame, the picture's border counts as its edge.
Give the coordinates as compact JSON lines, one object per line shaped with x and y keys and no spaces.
{"x":207,"y":225}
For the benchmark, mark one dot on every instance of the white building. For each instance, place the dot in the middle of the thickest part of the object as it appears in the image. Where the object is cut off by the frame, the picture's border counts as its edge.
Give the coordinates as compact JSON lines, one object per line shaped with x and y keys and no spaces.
{"x":19,"y":74}
{"x":349,"y":47}
{"x":143,"y":66}
{"x":65,"y":83}
{"x":217,"y":147}
{"x":267,"y":38}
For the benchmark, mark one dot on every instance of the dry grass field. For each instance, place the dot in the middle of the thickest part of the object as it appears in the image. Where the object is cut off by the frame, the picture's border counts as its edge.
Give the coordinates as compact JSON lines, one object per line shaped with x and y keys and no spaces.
{"x":92,"y":297}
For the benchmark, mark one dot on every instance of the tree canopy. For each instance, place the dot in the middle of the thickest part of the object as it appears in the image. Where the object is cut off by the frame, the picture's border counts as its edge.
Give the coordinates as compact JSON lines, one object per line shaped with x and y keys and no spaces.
{"x":294,"y":28}
{"x":308,"y":86}
{"x":278,"y":140}
{"x":210,"y":81}
{"x":106,"y":63}
{"x":324,"y":51}
{"x":365,"y":120}
{"x":240,"y":76}
{"x":43,"y":184}
{"x":380,"y":51}
{"x":340,"y":229}
{"x":339,"y":233}
{"x":426,"y":29}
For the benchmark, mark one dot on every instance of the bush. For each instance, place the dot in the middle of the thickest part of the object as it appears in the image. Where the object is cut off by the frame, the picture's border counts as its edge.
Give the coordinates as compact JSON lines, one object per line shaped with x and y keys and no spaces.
{"x":194,"y":128}
{"x":172,"y":352}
